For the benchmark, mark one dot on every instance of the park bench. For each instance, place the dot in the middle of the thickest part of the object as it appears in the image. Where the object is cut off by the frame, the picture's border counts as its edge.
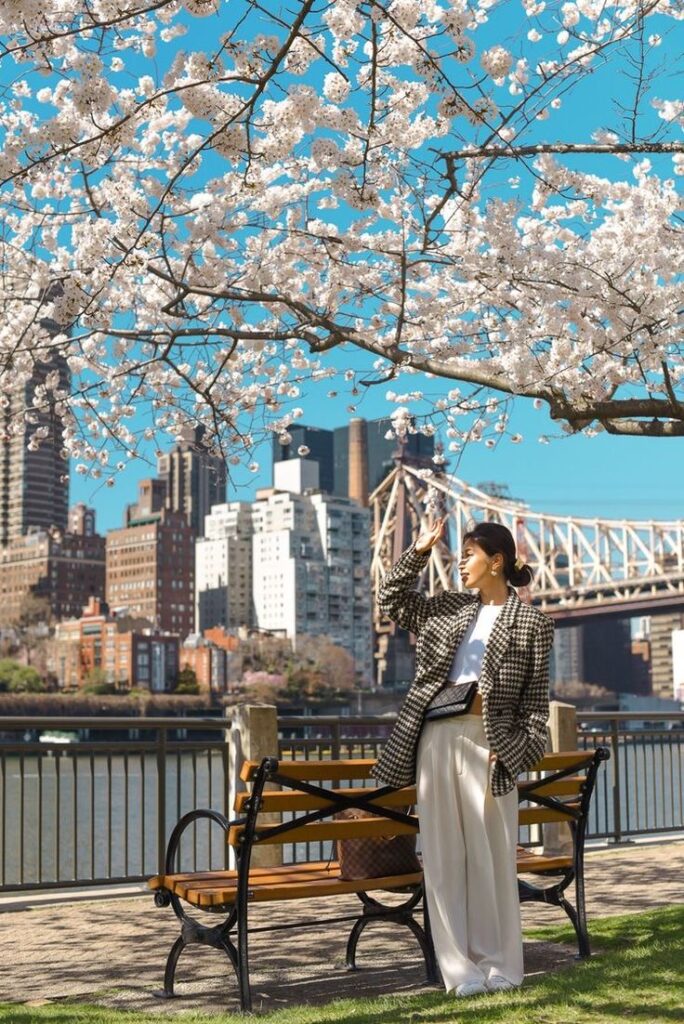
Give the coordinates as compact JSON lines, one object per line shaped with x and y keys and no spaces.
{"x":301,"y":811}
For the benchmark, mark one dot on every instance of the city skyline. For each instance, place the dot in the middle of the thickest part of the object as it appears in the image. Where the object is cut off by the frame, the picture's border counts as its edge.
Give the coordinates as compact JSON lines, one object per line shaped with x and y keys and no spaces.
{"x":616,"y":478}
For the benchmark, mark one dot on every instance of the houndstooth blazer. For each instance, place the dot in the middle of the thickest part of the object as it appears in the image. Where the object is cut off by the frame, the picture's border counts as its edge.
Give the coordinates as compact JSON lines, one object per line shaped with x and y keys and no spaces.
{"x":514,"y":679}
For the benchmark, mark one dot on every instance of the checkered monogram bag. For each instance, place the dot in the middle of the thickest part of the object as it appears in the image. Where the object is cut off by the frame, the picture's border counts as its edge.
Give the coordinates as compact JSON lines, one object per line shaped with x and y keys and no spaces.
{"x":375,"y":856}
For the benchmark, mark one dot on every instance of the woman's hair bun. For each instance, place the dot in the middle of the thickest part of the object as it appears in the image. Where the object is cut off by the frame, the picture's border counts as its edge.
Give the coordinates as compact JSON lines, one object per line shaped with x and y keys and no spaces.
{"x":520,"y":574}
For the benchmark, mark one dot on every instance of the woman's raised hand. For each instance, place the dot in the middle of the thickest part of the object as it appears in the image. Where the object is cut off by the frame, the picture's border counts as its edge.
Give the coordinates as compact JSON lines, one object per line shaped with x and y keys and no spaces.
{"x":429,"y":537}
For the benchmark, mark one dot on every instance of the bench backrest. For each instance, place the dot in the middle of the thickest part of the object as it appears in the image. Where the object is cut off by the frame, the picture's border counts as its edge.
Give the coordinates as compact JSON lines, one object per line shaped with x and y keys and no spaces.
{"x":311,"y":792}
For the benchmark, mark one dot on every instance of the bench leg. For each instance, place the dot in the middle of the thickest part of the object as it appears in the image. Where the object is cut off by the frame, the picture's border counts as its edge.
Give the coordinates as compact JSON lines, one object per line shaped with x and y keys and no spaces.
{"x":194,"y":933}
{"x":424,"y":941}
{"x":170,"y":970}
{"x":171,"y":964}
{"x":432,"y":973}
{"x":580,"y":925}
{"x":242,"y":956}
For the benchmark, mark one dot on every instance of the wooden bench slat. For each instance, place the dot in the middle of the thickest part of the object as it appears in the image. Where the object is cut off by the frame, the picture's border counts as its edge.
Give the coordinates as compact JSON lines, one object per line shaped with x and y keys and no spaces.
{"x":316,"y":771}
{"x":259,"y":876}
{"x":278,"y":801}
{"x":538,"y":815}
{"x":362,"y":768}
{"x":321,"y":878}
{"x":275,"y":801}
{"x":529,"y":863}
{"x":562,"y":759}
{"x":225,"y":894}
{"x":321,"y":831}
{"x":563,"y":787}
{"x":292,"y":800}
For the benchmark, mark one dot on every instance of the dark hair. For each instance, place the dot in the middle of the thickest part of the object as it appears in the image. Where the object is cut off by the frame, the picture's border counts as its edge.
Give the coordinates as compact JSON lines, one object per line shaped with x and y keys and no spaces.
{"x":496,"y":539}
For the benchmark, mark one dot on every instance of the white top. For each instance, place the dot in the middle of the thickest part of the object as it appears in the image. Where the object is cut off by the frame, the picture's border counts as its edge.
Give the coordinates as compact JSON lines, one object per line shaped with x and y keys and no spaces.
{"x":467,"y":662}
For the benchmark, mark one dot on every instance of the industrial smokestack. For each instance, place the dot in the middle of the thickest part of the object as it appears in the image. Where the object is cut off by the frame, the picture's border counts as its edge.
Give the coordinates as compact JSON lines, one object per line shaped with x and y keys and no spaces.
{"x":358,"y":460}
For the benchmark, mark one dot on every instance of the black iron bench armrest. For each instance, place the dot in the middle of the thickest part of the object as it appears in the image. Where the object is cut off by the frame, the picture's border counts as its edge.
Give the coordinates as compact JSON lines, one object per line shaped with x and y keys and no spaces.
{"x":188,"y":819}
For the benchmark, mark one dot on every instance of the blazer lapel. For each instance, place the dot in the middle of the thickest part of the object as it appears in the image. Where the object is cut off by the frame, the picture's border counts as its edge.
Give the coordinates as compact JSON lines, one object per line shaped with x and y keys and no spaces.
{"x":499,"y":639}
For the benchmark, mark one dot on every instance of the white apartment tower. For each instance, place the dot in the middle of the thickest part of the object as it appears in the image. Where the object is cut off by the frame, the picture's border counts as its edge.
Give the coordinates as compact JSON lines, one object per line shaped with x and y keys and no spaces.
{"x":311,"y":563}
{"x":223,"y":568}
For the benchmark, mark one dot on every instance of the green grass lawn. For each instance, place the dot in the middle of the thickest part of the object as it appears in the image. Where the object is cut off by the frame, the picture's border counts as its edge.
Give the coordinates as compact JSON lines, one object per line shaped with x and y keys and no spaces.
{"x":637,"y":975}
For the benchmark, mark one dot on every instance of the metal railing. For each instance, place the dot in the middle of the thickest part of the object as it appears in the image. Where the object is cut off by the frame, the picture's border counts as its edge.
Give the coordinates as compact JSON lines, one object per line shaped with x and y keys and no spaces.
{"x":101,"y":809}
{"x":315,"y":738}
{"x":640,"y":791}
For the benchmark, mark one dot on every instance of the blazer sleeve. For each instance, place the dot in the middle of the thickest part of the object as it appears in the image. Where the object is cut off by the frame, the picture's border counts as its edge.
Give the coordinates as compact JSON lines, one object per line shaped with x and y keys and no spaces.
{"x":526,"y":743}
{"x":397,"y":597}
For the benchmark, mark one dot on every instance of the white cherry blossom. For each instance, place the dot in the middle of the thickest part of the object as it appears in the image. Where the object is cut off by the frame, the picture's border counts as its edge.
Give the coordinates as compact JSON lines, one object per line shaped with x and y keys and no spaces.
{"x":206,"y":219}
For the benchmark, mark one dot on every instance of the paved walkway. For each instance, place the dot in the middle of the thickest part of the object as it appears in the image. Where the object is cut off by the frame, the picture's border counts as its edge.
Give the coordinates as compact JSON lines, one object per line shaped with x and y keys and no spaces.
{"x":112,"y":952}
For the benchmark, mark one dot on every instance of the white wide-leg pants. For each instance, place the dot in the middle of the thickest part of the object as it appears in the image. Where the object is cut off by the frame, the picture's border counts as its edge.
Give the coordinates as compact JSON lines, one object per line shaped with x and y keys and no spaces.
{"x":468,"y":840}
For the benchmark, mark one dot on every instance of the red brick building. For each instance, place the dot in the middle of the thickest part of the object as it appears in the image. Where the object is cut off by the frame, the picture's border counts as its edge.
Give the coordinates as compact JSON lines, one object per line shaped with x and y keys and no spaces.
{"x":98,"y":645}
{"x":64,"y":569}
{"x":151,"y":565}
{"x":209,"y":657}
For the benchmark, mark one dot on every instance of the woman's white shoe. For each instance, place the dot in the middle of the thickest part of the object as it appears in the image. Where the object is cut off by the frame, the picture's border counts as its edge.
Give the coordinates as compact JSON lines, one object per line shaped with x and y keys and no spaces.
{"x":497,"y":983}
{"x":470,"y":988}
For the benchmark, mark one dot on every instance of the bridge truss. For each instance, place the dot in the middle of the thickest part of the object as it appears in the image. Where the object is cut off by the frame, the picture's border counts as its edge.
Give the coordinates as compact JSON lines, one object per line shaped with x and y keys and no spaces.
{"x":578,"y":563}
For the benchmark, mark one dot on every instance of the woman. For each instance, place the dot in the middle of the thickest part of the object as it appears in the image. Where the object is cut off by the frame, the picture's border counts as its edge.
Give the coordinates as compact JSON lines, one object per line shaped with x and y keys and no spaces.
{"x":466,"y":767}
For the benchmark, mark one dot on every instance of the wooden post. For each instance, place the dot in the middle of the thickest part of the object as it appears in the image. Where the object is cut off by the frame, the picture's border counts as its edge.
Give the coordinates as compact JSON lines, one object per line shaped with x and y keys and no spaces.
{"x":562,"y":736}
{"x":252,"y":736}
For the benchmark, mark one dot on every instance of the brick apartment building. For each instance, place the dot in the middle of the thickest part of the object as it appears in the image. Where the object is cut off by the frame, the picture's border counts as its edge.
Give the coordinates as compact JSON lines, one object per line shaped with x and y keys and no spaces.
{"x":151,"y":564}
{"x":210,"y":657}
{"x":122,"y":652}
{"x":65,"y":569}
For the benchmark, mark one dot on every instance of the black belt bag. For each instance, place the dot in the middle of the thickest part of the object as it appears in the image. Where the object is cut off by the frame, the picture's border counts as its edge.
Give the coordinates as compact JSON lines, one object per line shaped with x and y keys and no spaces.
{"x":455,"y":699}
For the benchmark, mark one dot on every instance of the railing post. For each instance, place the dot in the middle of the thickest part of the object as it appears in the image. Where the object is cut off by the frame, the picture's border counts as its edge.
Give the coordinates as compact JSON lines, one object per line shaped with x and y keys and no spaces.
{"x":562,"y":736}
{"x":615,"y":761}
{"x":254,"y":735}
{"x":161,"y":799}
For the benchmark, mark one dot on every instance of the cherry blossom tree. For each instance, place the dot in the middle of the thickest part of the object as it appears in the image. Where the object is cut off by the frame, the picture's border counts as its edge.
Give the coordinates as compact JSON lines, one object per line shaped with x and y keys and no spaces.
{"x":211,"y":207}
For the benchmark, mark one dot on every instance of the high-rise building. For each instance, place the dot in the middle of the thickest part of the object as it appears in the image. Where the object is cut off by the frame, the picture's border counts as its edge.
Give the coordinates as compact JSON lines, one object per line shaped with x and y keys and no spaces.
{"x":567,"y":661}
{"x":355,"y":456}
{"x":64,"y":569}
{"x":352,"y":461}
{"x":599,"y":652}
{"x":34,"y":479}
{"x":320,"y":443}
{"x":662,"y":675}
{"x":381,"y":452}
{"x":82,"y":520}
{"x":150,"y":503}
{"x":151,"y":569}
{"x":311,"y":568}
{"x":223,"y":568}
{"x":194,"y":478}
